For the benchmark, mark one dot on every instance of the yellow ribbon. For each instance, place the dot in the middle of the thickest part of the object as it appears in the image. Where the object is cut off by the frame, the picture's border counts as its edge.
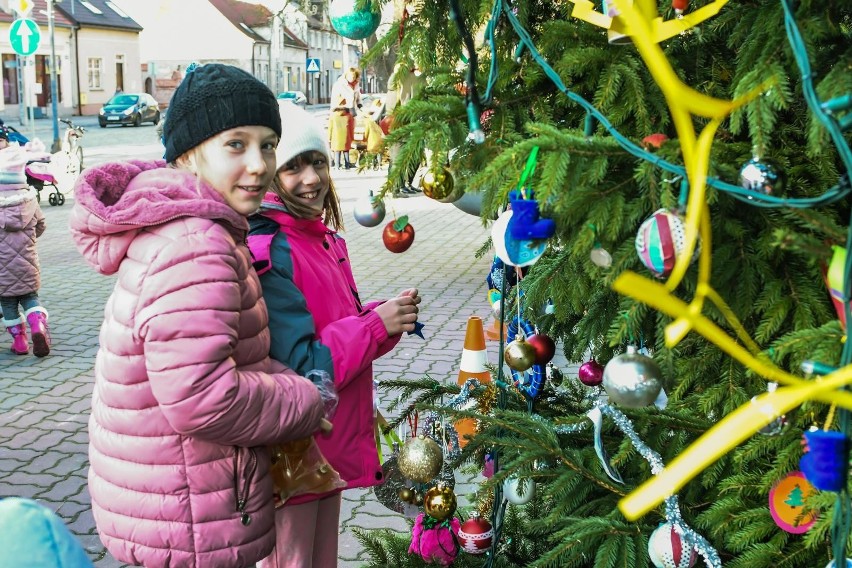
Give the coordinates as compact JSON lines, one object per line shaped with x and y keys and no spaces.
{"x":660,"y":30}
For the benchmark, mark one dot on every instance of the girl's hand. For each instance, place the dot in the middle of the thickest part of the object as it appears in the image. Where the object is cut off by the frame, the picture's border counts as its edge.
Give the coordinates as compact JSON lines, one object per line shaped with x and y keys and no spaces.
{"x":399,"y":314}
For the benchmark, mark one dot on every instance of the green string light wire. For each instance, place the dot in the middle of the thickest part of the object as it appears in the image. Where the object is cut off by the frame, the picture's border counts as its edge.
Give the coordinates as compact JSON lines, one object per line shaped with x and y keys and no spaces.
{"x":832,"y":195}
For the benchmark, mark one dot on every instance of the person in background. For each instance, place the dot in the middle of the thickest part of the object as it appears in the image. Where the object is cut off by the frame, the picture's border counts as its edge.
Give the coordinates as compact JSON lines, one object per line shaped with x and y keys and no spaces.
{"x":339,"y":135}
{"x":20,"y":279}
{"x":186,"y":398}
{"x":35,"y":537}
{"x":317,"y":321}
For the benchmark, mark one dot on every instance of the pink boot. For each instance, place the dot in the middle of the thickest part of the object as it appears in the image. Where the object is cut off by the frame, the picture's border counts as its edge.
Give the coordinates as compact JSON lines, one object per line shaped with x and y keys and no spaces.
{"x":18,"y":330}
{"x":37,"y":320}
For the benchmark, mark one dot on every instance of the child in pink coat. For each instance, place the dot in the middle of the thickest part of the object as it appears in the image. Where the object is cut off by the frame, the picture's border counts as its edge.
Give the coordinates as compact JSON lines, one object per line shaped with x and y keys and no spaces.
{"x":317,"y":321}
{"x":186,"y":399}
{"x":21,"y":223}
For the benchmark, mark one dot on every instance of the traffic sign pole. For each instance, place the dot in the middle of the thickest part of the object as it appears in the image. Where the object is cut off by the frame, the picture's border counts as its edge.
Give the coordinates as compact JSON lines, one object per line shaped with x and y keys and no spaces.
{"x":53,"y":106}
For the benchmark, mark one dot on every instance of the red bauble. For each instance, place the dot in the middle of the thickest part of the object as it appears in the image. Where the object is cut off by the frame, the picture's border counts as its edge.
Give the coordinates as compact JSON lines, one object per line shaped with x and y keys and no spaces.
{"x":591,"y":373}
{"x":544,"y":348}
{"x":398,"y":235}
{"x":475,"y":535}
{"x":680,"y":5}
{"x":654,"y":140}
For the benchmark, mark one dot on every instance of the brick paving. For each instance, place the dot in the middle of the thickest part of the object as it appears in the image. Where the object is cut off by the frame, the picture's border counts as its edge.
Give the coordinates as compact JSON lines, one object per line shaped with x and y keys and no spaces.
{"x":44,"y":403}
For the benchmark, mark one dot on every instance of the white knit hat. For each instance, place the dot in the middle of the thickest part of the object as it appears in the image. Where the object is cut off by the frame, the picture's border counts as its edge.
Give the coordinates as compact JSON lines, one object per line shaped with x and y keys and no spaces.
{"x":13,"y":161}
{"x":300,"y":132}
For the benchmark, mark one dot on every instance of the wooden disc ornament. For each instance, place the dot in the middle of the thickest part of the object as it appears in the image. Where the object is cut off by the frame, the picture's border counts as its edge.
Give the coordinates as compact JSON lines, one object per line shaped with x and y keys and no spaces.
{"x":352,"y":23}
{"x":475,"y":535}
{"x":632,"y":379}
{"x":420,"y":459}
{"x":660,"y":240}
{"x":668,"y":550}
{"x":369,"y":211}
{"x":787,"y":500}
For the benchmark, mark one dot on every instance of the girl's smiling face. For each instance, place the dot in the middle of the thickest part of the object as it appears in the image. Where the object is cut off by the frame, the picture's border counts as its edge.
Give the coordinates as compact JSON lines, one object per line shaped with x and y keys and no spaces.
{"x":239,"y":164}
{"x":305,"y":179}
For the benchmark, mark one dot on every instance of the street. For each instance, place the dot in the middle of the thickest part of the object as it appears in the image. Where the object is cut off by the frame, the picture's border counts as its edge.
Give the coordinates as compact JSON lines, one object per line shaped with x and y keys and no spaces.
{"x":44,"y":403}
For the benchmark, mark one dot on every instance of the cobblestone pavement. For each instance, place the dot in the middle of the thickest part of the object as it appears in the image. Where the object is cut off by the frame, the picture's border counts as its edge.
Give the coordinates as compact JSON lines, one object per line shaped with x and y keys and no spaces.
{"x":44,"y":403}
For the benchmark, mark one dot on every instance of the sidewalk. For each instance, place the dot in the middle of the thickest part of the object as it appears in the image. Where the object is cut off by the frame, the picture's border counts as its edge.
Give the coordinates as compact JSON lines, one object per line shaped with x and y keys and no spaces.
{"x":44,"y":403}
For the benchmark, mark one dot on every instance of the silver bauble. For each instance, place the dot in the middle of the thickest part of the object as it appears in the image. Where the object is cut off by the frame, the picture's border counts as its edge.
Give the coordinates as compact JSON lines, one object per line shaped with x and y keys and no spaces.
{"x":632,"y":380}
{"x":763,"y":176}
{"x":369,"y":211}
{"x":514,"y":486}
{"x":420,"y":459}
{"x":470,"y":203}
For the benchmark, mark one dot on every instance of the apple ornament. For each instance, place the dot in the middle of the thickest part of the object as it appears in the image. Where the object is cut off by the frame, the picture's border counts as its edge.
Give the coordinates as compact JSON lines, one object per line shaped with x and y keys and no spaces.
{"x":398,"y":235}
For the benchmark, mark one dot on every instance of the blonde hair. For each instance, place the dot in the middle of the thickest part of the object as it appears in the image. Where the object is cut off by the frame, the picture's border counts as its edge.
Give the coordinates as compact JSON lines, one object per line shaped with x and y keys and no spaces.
{"x":332,"y":215}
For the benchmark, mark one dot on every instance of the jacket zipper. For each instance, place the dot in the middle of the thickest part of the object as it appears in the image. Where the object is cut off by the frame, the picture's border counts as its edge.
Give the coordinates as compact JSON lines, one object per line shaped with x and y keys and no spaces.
{"x":243,"y":474}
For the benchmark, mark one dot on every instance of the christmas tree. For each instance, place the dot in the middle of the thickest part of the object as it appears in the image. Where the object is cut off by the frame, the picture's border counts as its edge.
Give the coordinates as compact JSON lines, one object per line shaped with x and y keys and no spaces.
{"x":610,"y":154}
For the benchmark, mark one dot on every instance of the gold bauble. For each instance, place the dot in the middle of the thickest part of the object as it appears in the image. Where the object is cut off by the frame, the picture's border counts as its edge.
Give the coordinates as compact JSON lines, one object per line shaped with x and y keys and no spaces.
{"x":439,"y":502}
{"x":406,"y":494}
{"x":420,"y":459}
{"x":438,"y":184}
{"x":519,"y":355}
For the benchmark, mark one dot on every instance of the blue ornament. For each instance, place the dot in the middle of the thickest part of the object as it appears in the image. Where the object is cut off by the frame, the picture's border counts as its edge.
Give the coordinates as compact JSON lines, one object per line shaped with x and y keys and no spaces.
{"x":513,"y":251}
{"x":418,"y":330}
{"x":826,"y":463}
{"x":352,"y":23}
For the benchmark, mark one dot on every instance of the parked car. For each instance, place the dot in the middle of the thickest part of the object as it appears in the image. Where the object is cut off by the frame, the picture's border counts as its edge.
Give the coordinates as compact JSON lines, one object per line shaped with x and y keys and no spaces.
{"x":129,"y":108}
{"x":295,"y":97}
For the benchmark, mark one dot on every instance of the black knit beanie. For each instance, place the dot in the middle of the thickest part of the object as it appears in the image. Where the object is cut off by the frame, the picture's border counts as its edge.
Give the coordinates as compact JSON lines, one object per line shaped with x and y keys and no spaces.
{"x":213,"y":98}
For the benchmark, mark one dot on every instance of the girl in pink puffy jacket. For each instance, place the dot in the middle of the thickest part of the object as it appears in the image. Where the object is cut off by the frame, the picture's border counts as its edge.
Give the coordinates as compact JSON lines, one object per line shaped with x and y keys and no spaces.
{"x":21,"y":223}
{"x":186,"y":398}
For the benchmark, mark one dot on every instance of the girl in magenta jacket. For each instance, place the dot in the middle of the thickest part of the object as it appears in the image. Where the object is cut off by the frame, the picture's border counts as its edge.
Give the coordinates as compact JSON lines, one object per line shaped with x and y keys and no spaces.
{"x":186,"y":397}
{"x":317,"y":321}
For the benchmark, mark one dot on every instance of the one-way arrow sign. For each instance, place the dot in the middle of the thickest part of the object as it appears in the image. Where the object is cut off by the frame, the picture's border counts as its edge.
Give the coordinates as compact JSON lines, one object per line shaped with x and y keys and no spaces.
{"x":24,"y":36}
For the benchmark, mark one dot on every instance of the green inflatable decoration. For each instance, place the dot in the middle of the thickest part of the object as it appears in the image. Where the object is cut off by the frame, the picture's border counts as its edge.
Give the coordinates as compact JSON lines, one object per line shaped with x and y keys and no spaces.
{"x":352,"y":23}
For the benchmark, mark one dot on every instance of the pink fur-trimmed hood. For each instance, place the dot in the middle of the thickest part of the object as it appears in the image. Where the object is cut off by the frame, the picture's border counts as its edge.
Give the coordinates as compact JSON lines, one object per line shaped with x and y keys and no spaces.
{"x":115,"y":201}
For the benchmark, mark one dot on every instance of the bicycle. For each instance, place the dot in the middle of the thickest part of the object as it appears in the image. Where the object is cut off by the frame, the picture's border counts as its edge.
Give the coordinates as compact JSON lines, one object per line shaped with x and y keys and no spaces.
{"x":71,"y":147}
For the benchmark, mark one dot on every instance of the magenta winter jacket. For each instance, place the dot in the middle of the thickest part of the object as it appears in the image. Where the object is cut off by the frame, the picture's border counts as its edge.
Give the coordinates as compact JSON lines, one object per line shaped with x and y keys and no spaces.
{"x":317,"y":322}
{"x":21,"y":222}
{"x":185,"y":395}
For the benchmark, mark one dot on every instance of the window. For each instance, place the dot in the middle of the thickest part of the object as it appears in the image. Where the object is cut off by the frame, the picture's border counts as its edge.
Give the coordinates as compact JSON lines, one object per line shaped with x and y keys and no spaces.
{"x":91,"y":7}
{"x":96,"y":65}
{"x":10,"y":79}
{"x":116,"y":9}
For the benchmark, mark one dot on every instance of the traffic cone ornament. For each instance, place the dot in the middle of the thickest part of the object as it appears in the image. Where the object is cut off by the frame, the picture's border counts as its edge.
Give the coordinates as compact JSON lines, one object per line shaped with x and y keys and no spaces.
{"x":472,"y":366}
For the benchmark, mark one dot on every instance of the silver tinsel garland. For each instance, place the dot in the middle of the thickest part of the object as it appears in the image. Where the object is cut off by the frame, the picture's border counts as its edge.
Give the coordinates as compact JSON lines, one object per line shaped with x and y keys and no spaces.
{"x":689,"y":536}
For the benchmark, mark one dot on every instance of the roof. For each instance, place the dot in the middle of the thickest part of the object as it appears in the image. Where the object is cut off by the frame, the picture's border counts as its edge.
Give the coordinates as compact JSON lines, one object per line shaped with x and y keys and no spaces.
{"x":85,"y":14}
{"x":245,"y":16}
{"x":39,"y":14}
{"x":291,"y":39}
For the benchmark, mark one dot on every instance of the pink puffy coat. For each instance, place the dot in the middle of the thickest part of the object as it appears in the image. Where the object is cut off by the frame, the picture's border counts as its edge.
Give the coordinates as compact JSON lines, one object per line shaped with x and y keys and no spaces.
{"x":185,"y":394}
{"x":21,"y":222}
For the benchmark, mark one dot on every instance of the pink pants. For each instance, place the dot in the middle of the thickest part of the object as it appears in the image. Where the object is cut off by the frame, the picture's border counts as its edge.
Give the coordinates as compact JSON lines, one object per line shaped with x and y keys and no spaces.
{"x":306,"y":535}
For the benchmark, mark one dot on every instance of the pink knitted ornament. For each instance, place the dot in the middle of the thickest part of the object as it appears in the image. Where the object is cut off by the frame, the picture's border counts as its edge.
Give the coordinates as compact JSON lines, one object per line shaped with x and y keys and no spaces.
{"x":433,"y":540}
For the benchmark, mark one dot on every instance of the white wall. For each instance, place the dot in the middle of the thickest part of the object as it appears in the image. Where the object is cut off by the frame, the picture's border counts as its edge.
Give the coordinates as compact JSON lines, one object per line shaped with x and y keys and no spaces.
{"x":186,"y":30}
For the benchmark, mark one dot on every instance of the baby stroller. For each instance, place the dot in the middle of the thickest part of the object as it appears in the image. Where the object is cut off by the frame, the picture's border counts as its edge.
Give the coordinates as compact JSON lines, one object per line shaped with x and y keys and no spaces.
{"x":38,"y":176}
{"x":37,"y":169}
